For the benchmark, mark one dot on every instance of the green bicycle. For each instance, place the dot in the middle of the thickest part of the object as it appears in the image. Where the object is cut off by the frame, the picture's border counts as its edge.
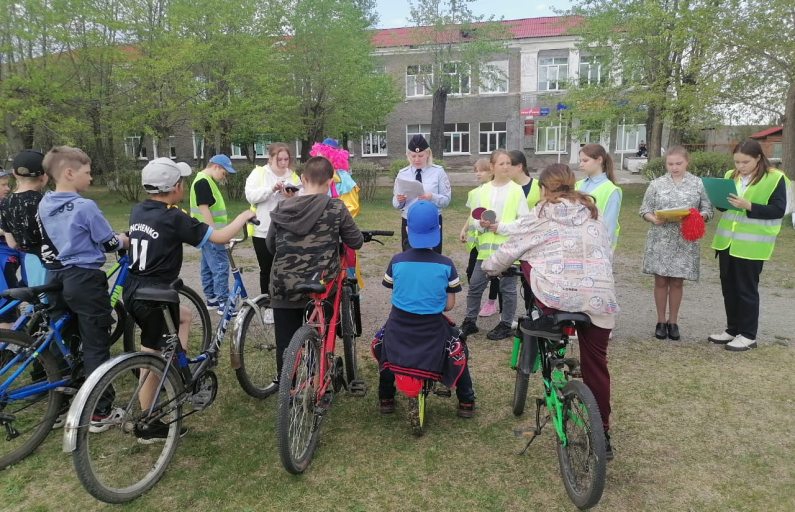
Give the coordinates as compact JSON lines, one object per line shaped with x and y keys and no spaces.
{"x":570,"y":403}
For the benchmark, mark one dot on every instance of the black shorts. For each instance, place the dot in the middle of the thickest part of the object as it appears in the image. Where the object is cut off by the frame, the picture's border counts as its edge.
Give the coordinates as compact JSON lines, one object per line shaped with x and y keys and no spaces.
{"x":10,"y":274}
{"x":150,"y":319}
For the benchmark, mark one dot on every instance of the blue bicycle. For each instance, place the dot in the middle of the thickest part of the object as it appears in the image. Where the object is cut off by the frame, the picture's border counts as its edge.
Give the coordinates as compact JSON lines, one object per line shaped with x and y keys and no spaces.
{"x":150,"y":391}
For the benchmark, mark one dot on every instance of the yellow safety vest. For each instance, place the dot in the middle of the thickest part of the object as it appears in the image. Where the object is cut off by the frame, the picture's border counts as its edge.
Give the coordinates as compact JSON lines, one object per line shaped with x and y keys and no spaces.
{"x":601,"y":194}
{"x":217,"y":210}
{"x":489,"y":242}
{"x":293,"y":177}
{"x":746,"y":238}
{"x":472,"y":233}
{"x":534,"y":195}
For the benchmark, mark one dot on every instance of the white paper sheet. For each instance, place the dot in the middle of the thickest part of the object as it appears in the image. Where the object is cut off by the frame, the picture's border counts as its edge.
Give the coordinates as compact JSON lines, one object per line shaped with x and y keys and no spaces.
{"x":409,"y":188}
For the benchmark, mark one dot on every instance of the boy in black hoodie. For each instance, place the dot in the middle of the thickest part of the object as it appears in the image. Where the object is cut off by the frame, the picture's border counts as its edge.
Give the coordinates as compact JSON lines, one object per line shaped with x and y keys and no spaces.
{"x":304,"y":238}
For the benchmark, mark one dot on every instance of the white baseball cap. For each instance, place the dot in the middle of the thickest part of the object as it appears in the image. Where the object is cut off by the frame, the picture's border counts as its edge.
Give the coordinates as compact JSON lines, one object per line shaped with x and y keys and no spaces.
{"x":162,"y":174}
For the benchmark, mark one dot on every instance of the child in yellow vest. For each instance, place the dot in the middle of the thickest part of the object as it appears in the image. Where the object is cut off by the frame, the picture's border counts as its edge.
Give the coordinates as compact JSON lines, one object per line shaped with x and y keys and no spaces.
{"x":601,"y":184}
{"x":507,"y":200}
{"x":744,"y":240}
{"x":484,"y":174}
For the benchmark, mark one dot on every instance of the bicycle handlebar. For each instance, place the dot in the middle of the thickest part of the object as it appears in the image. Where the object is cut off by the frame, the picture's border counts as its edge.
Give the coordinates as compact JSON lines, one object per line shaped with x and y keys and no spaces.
{"x":379,"y":233}
{"x":513,"y":270}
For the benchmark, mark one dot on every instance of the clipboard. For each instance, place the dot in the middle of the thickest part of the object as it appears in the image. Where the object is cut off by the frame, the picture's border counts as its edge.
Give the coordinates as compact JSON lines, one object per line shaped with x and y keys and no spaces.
{"x":718,"y":190}
{"x":672,"y":214}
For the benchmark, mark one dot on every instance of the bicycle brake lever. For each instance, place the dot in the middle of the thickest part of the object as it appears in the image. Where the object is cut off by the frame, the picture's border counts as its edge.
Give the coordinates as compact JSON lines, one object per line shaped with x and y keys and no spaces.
{"x":377,"y":240}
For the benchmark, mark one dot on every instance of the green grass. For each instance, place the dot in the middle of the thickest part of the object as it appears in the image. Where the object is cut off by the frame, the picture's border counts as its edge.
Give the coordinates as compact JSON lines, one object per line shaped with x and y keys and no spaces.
{"x":695,"y":428}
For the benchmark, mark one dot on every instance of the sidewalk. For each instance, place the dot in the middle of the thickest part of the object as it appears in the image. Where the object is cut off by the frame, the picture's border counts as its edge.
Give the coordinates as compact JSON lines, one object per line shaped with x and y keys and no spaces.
{"x":467,"y":179}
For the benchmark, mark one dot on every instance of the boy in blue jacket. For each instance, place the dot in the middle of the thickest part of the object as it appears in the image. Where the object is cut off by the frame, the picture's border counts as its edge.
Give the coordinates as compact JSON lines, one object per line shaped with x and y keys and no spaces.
{"x":75,"y":239}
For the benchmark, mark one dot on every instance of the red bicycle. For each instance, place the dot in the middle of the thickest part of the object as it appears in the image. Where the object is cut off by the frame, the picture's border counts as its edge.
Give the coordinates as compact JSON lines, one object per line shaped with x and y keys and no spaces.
{"x":312,"y":373}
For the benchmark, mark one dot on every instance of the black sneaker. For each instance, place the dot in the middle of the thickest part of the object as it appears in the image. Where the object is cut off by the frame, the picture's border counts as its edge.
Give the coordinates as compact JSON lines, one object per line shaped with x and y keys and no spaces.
{"x":387,"y":405}
{"x":543,"y":327}
{"x":468,"y":327}
{"x":608,"y":448}
{"x":154,"y":432}
{"x":501,"y":332}
{"x":465,"y":409}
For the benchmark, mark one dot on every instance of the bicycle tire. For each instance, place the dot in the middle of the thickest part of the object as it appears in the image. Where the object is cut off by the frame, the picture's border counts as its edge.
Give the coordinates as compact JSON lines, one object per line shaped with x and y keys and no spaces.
{"x":522,"y":378}
{"x":121,"y":322}
{"x":105,"y":462}
{"x":413,"y":407}
{"x":261,"y":356}
{"x":578,"y":398}
{"x":200,"y":318}
{"x":297,"y":396}
{"x":37,"y":414}
{"x":348,"y":333}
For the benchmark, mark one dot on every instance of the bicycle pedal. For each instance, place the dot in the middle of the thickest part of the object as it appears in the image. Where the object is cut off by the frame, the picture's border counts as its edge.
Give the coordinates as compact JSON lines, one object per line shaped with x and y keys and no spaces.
{"x":523,"y":432}
{"x":357,"y":388}
{"x":445,"y":393}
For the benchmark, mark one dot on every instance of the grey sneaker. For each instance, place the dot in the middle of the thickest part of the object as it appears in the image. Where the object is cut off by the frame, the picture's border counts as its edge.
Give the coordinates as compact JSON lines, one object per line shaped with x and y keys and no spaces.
{"x":501,"y":332}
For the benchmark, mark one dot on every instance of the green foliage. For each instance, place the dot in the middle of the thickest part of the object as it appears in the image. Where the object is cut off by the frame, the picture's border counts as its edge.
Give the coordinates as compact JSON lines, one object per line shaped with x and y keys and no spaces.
{"x":366,"y":176}
{"x":235,"y":184}
{"x":126,"y":185}
{"x":395,"y":166}
{"x":702,"y":164}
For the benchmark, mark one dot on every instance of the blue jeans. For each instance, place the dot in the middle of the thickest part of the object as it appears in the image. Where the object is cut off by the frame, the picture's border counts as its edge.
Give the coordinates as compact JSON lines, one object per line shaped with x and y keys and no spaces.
{"x":215,"y":272}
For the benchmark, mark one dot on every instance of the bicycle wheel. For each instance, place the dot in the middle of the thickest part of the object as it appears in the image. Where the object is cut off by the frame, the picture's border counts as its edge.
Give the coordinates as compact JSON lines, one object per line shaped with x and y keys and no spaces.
{"x":257,"y":347}
{"x":201,"y":328}
{"x":296,"y":429}
{"x":522,"y":378}
{"x":120,"y":320}
{"x":25,"y":422}
{"x":348,"y":333}
{"x":115,"y":466}
{"x":582,"y":459}
{"x":416,"y":412}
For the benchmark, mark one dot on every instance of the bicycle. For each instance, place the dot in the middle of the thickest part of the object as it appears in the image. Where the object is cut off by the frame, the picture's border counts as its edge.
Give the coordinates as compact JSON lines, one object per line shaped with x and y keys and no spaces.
{"x":121,"y":464}
{"x":570,"y":403}
{"x":311,"y":373}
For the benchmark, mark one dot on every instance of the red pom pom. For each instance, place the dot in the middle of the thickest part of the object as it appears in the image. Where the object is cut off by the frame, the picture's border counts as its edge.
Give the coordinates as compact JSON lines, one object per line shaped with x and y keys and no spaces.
{"x":692,"y":226}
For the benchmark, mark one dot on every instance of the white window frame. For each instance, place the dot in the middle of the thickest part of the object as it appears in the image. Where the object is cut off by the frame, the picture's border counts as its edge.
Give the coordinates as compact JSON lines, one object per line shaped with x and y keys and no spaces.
{"x":589,"y":63}
{"x":552,"y":65}
{"x":129,"y":149}
{"x":263,"y":143}
{"x":415,"y":81}
{"x":198,"y":149}
{"x":492,"y":133}
{"x":172,"y":147}
{"x":494,"y":85}
{"x":458,"y":136}
{"x":463,"y":87}
{"x":374,"y":140}
{"x":237,"y":152}
{"x":298,"y":150}
{"x":557,"y":133}
{"x":422,"y":129}
{"x":629,"y":132}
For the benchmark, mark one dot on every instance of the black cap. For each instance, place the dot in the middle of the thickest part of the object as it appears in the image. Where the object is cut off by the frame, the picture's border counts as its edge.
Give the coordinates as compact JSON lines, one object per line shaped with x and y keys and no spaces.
{"x":418,"y":144}
{"x":28,"y":163}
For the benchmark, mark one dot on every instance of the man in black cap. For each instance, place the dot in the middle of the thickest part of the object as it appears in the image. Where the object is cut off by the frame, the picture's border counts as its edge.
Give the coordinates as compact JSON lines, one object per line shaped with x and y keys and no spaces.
{"x":434,"y":181}
{"x":19,"y":214}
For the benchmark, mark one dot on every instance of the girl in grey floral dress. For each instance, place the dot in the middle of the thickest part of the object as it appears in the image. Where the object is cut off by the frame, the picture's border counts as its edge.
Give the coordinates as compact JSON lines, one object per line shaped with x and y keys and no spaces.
{"x":668,"y":255}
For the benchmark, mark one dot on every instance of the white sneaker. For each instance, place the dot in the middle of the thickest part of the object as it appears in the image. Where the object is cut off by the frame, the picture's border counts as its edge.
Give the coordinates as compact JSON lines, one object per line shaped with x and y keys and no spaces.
{"x":514,"y":324}
{"x":740,"y":344}
{"x":100,"y":423}
{"x":268,"y":316}
{"x":721,"y":338}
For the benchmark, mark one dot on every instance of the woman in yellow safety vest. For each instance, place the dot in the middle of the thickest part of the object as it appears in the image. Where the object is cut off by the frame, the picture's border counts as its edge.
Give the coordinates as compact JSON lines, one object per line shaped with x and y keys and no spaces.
{"x":601,"y":184}
{"x":521,"y":176}
{"x":744,"y":240}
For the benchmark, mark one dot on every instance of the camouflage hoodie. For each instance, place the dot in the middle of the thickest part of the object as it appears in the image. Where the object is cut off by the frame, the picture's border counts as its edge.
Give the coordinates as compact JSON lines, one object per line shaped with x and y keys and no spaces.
{"x":304,"y":238}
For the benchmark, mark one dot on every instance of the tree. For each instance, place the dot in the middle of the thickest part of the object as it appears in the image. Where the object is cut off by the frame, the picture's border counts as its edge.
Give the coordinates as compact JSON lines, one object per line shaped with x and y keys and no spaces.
{"x":658,"y":55}
{"x":757,"y":50}
{"x":334,"y":76}
{"x":456,"y":42}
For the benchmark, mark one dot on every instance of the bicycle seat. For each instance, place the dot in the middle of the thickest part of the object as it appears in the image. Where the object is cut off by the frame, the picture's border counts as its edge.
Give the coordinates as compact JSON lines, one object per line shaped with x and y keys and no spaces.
{"x":577,"y":318}
{"x":157,"y":295}
{"x":30,"y":294}
{"x":308,"y":288}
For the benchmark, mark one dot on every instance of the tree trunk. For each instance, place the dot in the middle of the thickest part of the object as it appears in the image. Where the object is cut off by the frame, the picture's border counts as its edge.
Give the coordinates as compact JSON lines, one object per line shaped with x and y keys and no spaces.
{"x":654,"y":132}
{"x":437,"y":122}
{"x":788,"y":134}
{"x":675,"y":137}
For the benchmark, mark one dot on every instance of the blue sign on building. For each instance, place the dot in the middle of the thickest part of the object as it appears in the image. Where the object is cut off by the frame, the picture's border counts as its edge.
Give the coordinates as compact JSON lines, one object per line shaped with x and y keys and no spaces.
{"x":544,"y":112}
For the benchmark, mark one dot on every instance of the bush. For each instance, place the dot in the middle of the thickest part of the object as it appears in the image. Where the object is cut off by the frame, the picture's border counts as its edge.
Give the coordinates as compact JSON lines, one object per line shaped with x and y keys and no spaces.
{"x":366,"y":176}
{"x":235,"y":184}
{"x":126,"y":185}
{"x":702,"y":164}
{"x":396,"y":166}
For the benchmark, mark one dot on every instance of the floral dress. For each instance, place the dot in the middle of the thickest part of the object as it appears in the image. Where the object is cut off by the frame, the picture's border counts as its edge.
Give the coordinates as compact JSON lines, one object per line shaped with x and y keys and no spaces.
{"x":667,"y":253}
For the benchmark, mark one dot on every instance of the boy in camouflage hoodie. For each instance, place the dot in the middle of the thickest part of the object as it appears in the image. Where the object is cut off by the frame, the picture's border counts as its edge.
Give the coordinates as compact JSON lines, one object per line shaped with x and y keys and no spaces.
{"x":304,"y":238}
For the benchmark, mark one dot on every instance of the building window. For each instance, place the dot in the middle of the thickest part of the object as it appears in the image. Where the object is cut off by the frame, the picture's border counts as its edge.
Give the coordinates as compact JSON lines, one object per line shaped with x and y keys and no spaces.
{"x":552,"y":73}
{"x":777,"y":150}
{"x":492,"y":136}
{"x":417,"y":79}
{"x":494,"y":77}
{"x":629,"y":136}
{"x":261,"y":147}
{"x":456,"y":138}
{"x":551,"y":139}
{"x":172,"y":148}
{"x":418,"y":129}
{"x":237,"y":152}
{"x":591,"y":70}
{"x":592,"y":132}
{"x":374,"y":143}
{"x":457,"y":76}
{"x":198,"y":146}
{"x":131,"y":147}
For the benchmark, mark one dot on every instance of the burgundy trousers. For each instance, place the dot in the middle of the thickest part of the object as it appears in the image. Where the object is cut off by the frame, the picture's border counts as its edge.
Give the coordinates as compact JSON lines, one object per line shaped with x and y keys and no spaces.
{"x":593,"y":363}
